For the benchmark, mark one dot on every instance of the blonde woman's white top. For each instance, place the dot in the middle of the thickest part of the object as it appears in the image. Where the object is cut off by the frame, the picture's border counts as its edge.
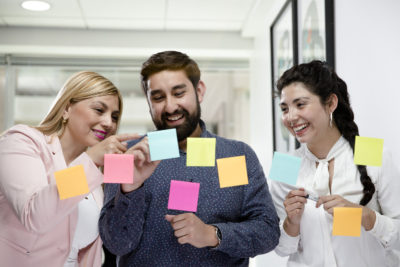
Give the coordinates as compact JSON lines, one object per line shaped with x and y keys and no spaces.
{"x":87,"y":229}
{"x":315,"y":245}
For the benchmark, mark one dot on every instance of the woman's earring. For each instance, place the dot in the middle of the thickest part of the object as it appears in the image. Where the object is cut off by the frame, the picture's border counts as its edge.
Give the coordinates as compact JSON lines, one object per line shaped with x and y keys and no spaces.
{"x":64,"y":121}
{"x":330,"y":119}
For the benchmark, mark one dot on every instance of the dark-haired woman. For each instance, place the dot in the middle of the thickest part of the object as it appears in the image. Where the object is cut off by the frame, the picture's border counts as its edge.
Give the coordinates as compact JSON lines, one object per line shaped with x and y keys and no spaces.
{"x":316,"y":110}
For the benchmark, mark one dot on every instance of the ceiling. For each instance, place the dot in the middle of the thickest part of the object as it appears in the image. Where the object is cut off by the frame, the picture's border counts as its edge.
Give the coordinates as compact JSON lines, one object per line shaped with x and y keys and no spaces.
{"x":120,"y":34}
{"x":216,"y":30}
{"x":165,"y":15}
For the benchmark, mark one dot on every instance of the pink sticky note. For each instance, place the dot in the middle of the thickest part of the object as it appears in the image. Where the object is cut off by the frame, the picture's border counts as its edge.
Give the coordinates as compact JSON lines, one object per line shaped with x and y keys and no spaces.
{"x":118,"y":168}
{"x":183,"y":196}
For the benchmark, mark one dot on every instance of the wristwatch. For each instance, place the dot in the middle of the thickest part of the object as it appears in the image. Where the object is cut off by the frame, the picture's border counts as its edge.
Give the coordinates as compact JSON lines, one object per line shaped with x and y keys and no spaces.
{"x":218,"y":234}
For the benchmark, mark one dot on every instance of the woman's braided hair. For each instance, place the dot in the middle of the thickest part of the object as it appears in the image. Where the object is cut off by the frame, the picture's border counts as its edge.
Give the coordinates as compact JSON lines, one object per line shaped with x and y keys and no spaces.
{"x":322,"y":81}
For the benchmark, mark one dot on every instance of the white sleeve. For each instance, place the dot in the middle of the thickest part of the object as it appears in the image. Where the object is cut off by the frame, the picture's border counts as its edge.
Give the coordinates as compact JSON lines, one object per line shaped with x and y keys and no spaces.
{"x":287,"y":244}
{"x":387,"y":225}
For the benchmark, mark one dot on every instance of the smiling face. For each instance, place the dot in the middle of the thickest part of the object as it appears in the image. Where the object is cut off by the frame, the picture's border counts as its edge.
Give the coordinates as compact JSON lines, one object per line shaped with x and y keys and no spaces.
{"x":92,"y":120}
{"x":174,"y":102}
{"x":304,"y":115}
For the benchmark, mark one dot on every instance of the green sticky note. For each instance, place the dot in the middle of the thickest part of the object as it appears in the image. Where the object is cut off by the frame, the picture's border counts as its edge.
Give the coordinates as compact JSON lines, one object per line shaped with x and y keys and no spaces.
{"x":368,"y":151}
{"x":201,"y":152}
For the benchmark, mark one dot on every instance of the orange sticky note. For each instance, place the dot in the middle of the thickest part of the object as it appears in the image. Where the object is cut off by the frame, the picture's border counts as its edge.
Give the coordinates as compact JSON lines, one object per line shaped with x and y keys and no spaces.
{"x":71,"y":182}
{"x":347,"y":221}
{"x":232,"y":171}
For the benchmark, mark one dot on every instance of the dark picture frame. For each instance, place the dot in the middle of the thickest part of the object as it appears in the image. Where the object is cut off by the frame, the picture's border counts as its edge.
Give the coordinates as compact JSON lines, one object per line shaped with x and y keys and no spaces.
{"x":316,"y":31}
{"x":284,"y":54}
{"x":302,"y":31}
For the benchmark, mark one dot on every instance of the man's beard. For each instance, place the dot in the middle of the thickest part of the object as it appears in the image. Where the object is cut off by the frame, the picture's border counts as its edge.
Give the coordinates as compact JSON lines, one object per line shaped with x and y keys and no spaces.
{"x":186,"y":128}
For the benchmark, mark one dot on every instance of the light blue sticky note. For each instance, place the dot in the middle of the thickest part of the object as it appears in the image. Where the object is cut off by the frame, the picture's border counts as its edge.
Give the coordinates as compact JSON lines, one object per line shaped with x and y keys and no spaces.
{"x":163,"y":144}
{"x":285,"y":168}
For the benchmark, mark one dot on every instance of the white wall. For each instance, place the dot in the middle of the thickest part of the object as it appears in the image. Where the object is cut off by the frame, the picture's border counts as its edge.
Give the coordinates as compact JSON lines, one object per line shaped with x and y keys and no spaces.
{"x":260,"y":105}
{"x":367,"y":58}
{"x":3,"y":109}
{"x":367,"y":47}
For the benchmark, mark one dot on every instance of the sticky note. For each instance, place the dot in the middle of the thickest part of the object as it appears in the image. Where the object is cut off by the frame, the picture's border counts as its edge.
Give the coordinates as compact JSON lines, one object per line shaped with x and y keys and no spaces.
{"x":71,"y":182}
{"x":368,"y":151}
{"x":183,"y":196}
{"x":347,"y":221}
{"x":285,"y":168}
{"x":232,"y":171}
{"x":200,"y":152}
{"x":163,"y":144}
{"x":118,"y":168}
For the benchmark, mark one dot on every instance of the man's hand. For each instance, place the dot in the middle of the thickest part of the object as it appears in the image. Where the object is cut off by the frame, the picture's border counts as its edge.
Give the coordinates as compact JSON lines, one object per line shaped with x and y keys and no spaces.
{"x":189,"y":229}
{"x":144,"y":167}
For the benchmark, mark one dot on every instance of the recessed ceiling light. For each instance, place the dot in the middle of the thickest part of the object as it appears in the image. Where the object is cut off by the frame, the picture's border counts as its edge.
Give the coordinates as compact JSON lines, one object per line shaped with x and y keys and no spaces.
{"x":36,"y":5}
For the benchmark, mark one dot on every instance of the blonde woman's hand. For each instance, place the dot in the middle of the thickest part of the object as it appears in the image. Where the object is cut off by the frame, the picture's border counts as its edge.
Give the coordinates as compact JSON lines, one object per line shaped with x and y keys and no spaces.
{"x":144,"y":167}
{"x":294,"y":206}
{"x":113,"y":144}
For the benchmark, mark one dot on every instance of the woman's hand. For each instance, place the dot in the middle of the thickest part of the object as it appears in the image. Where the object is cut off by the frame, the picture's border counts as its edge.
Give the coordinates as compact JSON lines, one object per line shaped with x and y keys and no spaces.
{"x":144,"y":167}
{"x":294,"y":206}
{"x":113,"y":144}
{"x":333,"y":201}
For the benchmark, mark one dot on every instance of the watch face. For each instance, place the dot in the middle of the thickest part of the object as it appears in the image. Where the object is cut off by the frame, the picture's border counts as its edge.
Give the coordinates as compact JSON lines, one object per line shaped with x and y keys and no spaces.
{"x":219,"y":234}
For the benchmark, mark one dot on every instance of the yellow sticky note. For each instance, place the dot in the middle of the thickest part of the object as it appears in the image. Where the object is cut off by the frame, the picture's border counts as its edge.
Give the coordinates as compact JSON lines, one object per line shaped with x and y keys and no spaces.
{"x":232,"y":171}
{"x":368,"y":151}
{"x":347,"y":221}
{"x":201,"y":152}
{"x":71,"y":182}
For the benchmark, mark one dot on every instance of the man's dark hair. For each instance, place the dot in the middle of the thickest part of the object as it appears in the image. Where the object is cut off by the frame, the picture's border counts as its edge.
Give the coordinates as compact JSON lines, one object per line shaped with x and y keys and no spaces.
{"x":170,"y":60}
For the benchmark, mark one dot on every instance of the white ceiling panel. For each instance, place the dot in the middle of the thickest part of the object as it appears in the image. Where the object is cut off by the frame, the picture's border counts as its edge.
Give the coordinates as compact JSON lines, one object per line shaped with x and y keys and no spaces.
{"x":45,"y":22}
{"x":134,"y":9}
{"x":59,"y":8}
{"x":207,"y":25}
{"x":168,"y":15}
{"x":209,"y":9}
{"x":125,"y":24}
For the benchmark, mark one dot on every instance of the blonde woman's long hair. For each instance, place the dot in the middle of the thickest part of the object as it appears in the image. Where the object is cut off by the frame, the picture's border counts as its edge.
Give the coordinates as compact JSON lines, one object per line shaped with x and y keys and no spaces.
{"x":80,"y":86}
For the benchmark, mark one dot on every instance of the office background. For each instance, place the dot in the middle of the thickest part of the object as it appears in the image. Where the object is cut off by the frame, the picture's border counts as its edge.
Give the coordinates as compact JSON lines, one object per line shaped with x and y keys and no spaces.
{"x":230,"y":40}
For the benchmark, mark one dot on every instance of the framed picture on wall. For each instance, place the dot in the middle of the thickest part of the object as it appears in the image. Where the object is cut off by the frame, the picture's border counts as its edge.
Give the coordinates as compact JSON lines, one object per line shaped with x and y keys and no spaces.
{"x":283,"y":33}
{"x":316,"y":31}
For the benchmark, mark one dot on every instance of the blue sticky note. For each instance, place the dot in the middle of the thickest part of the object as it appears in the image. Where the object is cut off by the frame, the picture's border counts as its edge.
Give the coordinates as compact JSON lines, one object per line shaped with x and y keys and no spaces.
{"x":285,"y":168}
{"x":163,"y":144}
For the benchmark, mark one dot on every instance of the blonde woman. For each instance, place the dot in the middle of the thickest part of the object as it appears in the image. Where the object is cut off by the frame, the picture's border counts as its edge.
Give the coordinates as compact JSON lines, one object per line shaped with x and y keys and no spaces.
{"x":37,"y":228}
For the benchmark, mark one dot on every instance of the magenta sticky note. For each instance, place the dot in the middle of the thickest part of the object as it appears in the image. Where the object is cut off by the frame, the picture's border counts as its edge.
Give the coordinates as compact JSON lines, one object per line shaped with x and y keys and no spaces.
{"x":118,"y":168}
{"x":183,"y":196}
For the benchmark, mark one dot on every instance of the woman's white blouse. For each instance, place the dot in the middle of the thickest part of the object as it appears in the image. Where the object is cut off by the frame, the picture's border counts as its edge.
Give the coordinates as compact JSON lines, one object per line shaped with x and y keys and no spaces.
{"x":315,"y":245}
{"x":86,"y":229}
